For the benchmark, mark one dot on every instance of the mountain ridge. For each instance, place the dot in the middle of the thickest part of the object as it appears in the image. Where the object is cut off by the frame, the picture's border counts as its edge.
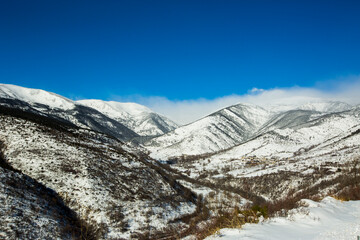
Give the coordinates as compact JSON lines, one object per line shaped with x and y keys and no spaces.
{"x":220,"y":130}
{"x":250,"y":123}
{"x":51,"y":104}
{"x":217,"y":131}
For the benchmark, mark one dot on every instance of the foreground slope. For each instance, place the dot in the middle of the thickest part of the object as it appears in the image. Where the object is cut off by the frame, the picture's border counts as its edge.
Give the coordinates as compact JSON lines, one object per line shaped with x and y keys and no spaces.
{"x":29,"y":210}
{"x":328,"y":219}
{"x":139,"y":118}
{"x":102,"y":180}
{"x":220,"y":130}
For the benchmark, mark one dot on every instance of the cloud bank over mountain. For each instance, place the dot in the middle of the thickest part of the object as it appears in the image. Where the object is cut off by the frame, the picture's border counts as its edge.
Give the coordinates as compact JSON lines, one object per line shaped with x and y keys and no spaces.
{"x":185,"y":111}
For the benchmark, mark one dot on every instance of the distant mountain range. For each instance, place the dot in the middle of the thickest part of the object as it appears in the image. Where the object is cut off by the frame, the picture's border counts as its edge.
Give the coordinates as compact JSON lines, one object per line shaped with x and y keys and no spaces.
{"x":165,"y":139}
{"x":241,"y":123}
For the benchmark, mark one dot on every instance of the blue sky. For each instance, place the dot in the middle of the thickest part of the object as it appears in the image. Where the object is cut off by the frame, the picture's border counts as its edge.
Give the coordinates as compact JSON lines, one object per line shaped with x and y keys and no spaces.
{"x":178,"y":50}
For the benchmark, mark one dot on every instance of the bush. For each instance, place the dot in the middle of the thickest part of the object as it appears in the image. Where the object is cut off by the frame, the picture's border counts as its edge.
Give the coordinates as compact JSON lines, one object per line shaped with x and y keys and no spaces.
{"x":349,"y":193}
{"x":263,"y":210}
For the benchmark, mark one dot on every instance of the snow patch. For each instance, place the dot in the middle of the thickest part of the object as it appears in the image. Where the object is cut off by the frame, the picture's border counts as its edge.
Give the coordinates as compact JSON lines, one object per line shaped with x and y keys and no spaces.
{"x":328,"y":219}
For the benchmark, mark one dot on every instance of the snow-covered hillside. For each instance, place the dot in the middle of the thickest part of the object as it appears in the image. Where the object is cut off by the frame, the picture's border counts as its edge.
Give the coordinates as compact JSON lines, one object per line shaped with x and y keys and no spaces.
{"x":329,"y":219}
{"x":139,"y":118}
{"x":220,"y":130}
{"x":29,"y":210}
{"x":99,"y":178}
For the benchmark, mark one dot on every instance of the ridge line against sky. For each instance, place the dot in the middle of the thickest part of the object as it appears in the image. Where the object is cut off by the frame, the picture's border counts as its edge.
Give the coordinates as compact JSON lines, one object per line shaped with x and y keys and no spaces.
{"x":345,"y":89}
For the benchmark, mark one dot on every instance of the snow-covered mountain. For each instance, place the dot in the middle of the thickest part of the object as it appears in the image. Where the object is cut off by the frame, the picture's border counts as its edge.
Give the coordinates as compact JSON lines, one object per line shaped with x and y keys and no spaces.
{"x":240,"y":123}
{"x":311,"y":133}
{"x":124,"y":121}
{"x":328,"y":219}
{"x":288,"y":119}
{"x":139,"y":118}
{"x":220,"y":130}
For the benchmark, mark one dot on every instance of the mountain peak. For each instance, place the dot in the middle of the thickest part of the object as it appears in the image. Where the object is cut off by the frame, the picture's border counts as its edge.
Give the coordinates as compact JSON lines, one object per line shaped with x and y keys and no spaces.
{"x":32,"y":96}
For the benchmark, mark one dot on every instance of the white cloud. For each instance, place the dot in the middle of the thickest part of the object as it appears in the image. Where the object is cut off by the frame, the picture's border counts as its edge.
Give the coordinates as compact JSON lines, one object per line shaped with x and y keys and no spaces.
{"x":256,"y":90}
{"x":185,"y":111}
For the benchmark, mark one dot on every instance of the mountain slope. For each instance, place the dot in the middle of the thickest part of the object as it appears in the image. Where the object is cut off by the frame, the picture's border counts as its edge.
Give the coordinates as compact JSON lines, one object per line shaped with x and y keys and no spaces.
{"x":220,"y":130}
{"x":288,"y":119}
{"x":135,"y":116}
{"x":29,"y":210}
{"x":328,"y":219}
{"x":104,"y":181}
